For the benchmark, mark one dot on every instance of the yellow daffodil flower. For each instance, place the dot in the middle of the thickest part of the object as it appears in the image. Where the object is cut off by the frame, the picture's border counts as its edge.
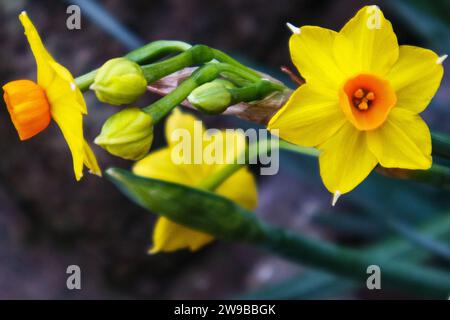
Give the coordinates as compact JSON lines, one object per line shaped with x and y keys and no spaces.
{"x":361,"y":100}
{"x":54,"y":96}
{"x":240,"y":187}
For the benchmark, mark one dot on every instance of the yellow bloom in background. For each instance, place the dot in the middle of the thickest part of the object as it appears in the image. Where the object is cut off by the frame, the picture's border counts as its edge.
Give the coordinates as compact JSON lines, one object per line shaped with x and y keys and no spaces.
{"x":55,"y":96}
{"x":240,"y":187}
{"x":361,"y":100}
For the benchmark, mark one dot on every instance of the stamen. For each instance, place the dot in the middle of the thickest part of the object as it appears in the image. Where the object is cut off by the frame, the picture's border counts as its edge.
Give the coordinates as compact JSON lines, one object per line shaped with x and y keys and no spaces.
{"x":363,"y":98}
{"x":370,"y":96}
{"x":359,"y":93}
{"x":363,"y":105}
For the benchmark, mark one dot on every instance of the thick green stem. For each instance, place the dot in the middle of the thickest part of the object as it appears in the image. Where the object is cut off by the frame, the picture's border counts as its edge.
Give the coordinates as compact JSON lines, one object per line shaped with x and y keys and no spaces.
{"x":150,"y":52}
{"x":437,"y":175}
{"x":353,"y":263}
{"x":441,"y":145}
{"x":306,"y":284}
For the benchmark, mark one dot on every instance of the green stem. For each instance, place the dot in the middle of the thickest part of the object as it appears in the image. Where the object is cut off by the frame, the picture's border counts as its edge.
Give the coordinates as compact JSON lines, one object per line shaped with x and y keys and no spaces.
{"x":164,"y":105}
{"x":303,"y":286}
{"x":194,"y":56}
{"x":214,"y":180}
{"x":253,"y":92}
{"x":437,"y":175}
{"x":441,"y":145}
{"x":353,"y":263}
{"x":200,"y":76}
{"x":243,"y":73}
{"x":223,"y":57}
{"x":145,"y":54}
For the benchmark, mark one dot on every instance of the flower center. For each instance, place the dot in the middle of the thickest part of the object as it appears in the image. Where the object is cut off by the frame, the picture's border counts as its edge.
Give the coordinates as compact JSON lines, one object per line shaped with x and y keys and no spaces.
{"x":366,"y":100}
{"x":362,"y":99}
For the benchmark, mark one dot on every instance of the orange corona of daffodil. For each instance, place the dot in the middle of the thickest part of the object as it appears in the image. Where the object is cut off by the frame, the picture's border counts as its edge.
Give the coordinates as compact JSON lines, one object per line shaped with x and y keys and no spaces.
{"x":240,"y":187}
{"x":55,"y":96}
{"x":361,"y":100}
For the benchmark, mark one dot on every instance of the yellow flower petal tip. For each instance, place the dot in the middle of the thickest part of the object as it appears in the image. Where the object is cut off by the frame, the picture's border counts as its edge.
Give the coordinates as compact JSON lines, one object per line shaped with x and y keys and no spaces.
{"x":54,"y":96}
{"x":441,"y":59}
{"x":294,"y":29}
{"x":336,"y":197}
{"x":361,"y":101}
{"x":169,"y":236}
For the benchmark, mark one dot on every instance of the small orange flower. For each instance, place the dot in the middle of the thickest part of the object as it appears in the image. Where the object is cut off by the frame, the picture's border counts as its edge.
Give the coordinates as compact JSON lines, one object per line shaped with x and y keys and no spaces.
{"x":28,"y":107}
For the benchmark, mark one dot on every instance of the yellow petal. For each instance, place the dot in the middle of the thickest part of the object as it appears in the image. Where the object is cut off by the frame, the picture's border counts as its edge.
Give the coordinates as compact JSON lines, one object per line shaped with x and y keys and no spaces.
{"x":312,"y":54}
{"x":367,"y":44}
{"x":68,"y":114}
{"x":240,"y":188}
{"x":404,"y":141}
{"x":345,"y":160}
{"x":90,"y":161}
{"x":63,"y":88}
{"x":44,"y":72}
{"x":179,"y":120}
{"x":159,"y":165}
{"x":69,"y":120}
{"x":416,"y":77}
{"x":223,"y":147}
{"x":309,"y":118}
{"x":169,"y":236}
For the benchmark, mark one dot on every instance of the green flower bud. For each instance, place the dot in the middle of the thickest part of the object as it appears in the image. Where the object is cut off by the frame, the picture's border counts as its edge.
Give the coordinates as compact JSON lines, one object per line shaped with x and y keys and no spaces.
{"x":212,"y":97}
{"x":119,"y":81}
{"x":127,"y":134}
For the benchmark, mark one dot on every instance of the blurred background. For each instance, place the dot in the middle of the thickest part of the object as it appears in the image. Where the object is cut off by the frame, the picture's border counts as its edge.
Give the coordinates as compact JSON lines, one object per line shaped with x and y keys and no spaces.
{"x":48,"y":221}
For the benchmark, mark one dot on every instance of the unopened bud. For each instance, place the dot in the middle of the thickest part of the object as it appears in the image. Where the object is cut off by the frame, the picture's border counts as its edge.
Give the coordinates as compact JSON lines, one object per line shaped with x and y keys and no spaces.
{"x":119,"y":81}
{"x":127,"y":134}
{"x":212,"y":97}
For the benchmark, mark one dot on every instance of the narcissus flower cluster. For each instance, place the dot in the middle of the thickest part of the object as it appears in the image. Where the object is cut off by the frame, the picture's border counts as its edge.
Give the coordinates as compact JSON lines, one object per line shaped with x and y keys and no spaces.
{"x":167,"y":235}
{"x":362,"y":98}
{"x":54,"y":96}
